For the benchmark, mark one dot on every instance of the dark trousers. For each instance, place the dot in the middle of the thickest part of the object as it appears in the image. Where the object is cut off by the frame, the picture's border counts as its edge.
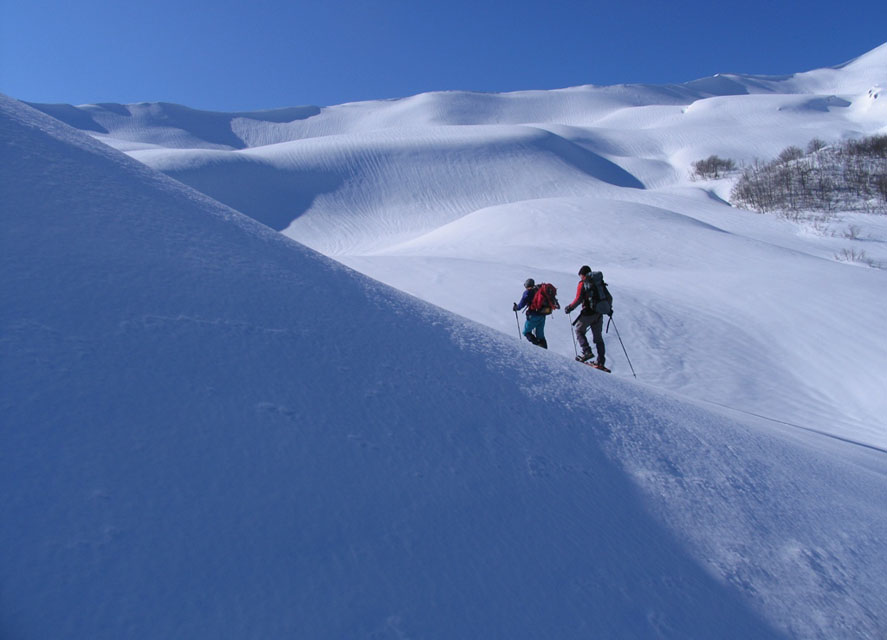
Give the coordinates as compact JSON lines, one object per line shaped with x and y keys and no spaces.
{"x":596,"y":322}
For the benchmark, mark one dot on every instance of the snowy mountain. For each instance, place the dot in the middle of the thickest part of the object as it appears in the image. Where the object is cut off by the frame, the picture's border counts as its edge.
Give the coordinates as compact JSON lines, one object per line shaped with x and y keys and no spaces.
{"x":443,"y":193}
{"x":213,"y":431}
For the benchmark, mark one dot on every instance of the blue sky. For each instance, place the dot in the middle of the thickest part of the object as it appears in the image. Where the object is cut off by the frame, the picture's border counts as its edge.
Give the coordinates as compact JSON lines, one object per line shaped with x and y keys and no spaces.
{"x":259,"y":54}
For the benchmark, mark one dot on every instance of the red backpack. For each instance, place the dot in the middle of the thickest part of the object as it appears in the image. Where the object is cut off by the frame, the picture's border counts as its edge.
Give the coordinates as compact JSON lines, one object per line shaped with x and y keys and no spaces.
{"x":545,"y":299}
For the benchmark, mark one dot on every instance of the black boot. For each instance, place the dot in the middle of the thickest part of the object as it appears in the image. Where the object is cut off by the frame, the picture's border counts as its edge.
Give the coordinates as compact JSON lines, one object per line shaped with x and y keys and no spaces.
{"x":543,"y":343}
{"x":533,"y":339}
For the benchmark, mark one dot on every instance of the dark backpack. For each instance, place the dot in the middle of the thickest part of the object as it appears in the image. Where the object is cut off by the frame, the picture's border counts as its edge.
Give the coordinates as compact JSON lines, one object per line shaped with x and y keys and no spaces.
{"x":597,"y":296}
{"x":544,"y":300}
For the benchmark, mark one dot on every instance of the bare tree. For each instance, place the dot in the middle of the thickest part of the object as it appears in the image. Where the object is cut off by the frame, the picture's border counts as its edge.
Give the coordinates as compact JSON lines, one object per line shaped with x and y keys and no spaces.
{"x":850,"y":176}
{"x":713,"y":167}
{"x":816,"y":144}
{"x":790,"y":154}
{"x":881,"y":184}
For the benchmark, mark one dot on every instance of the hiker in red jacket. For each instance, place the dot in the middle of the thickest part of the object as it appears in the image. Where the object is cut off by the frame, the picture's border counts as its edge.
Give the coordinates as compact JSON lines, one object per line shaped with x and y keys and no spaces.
{"x":596,"y":302}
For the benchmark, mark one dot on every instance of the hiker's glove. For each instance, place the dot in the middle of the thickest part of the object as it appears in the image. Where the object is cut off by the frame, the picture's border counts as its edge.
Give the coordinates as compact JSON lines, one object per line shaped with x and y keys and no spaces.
{"x":568,"y":308}
{"x":514,"y":306}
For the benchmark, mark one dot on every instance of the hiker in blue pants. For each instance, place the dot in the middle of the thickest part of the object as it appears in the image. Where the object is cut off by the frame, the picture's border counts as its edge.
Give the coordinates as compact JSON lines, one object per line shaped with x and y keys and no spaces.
{"x":534,"y":327}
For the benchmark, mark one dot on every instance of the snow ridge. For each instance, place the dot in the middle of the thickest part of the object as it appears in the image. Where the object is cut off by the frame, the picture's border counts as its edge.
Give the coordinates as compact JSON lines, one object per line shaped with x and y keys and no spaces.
{"x":214,"y":431}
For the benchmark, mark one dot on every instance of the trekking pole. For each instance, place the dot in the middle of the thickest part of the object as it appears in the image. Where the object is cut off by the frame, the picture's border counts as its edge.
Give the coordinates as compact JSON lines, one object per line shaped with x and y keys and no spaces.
{"x":623,"y":346}
{"x":518,"y":325}
{"x":573,"y":335}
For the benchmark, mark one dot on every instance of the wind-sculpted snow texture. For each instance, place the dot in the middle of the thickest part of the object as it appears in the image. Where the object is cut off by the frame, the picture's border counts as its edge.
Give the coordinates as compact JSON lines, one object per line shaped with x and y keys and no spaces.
{"x":441,"y":193}
{"x":213,"y":431}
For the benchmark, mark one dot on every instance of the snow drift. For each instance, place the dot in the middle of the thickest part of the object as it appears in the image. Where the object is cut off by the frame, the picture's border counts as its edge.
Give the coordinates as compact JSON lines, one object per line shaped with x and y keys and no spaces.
{"x":442,"y":193}
{"x":212,"y":431}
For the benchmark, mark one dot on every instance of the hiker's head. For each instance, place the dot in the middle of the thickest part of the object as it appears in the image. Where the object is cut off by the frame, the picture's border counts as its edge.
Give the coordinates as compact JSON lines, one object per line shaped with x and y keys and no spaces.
{"x":584,"y":270}
{"x":529,"y":284}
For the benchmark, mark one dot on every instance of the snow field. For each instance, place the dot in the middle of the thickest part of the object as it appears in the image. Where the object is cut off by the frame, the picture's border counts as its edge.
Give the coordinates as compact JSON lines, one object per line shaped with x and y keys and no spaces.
{"x":214,"y":431}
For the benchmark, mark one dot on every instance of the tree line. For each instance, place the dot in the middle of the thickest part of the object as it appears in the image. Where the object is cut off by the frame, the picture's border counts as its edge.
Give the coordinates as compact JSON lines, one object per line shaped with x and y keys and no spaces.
{"x":848,"y":176}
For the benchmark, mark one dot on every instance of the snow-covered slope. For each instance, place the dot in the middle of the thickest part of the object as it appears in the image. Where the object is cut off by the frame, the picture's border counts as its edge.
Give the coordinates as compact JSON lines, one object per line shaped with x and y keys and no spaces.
{"x":176,"y":126}
{"x":213,"y":432}
{"x":458,"y":197}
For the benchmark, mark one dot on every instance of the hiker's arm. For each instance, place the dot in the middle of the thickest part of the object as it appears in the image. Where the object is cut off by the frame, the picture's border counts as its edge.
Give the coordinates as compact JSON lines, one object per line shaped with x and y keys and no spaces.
{"x":577,"y":301}
{"x":524,"y":300}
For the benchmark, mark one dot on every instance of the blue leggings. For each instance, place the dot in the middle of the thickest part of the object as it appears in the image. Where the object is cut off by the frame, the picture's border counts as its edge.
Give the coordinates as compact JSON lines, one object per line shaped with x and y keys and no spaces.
{"x":536,"y":325}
